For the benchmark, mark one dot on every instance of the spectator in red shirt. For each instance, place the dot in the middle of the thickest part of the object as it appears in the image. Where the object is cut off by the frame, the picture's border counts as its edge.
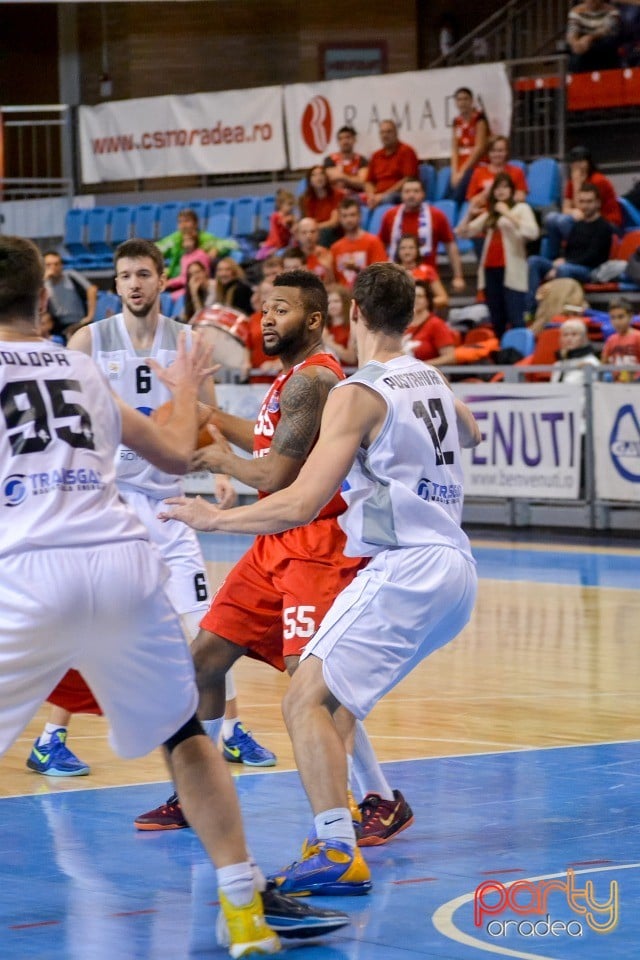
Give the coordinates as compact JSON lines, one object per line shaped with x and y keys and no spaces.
{"x":281,"y":223}
{"x":337,"y":335}
{"x":320,"y":200}
{"x":347,"y":169}
{"x":484,"y":175}
{"x":317,"y":258}
{"x":425,"y":222}
{"x":389,"y":167}
{"x":357,"y":248}
{"x":469,"y":142}
{"x":622,"y":348}
{"x":428,"y":337}
{"x":409,"y":258}
{"x":582,"y":170}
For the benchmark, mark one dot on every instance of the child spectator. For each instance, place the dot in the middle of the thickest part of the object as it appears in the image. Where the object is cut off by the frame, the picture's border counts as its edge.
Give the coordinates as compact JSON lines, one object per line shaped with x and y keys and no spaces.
{"x":336,"y":335}
{"x":193,"y":253}
{"x":428,"y":337}
{"x":410,"y":259}
{"x":622,"y":348}
{"x":281,"y":224}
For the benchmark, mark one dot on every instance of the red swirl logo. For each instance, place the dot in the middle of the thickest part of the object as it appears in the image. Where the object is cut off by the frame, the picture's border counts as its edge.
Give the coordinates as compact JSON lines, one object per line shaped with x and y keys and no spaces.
{"x":316,"y":124}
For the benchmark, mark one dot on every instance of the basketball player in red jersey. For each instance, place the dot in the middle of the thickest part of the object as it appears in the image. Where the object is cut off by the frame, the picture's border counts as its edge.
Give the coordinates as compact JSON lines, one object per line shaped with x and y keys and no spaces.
{"x":275,"y":597}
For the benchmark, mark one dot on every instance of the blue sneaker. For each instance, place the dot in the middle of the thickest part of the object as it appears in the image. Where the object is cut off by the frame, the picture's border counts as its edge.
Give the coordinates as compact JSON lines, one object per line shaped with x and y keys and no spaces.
{"x":54,"y":759}
{"x":327,"y":868}
{"x":242,"y":748}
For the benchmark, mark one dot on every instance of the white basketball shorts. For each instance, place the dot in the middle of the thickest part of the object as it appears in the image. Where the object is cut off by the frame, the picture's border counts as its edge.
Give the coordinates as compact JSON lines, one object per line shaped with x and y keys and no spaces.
{"x":401,"y":607}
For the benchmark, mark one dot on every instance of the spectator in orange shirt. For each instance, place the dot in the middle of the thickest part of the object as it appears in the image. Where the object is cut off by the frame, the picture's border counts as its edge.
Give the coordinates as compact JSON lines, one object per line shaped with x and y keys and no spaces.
{"x":485,"y":173}
{"x":469,"y":142}
{"x":408,"y":256}
{"x":281,"y":223}
{"x":582,"y":170}
{"x":431,"y":227}
{"x":337,"y":335}
{"x":428,"y":337}
{"x":389,"y":167}
{"x":357,"y":248}
{"x":320,"y":201}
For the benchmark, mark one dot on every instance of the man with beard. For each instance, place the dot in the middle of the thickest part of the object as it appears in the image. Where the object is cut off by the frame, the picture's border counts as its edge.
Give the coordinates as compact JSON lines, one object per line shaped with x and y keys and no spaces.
{"x":274,"y":599}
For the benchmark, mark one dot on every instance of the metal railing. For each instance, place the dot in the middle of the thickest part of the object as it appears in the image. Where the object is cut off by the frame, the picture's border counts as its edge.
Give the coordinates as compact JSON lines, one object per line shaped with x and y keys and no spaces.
{"x":32,"y":142}
{"x":521,"y":28}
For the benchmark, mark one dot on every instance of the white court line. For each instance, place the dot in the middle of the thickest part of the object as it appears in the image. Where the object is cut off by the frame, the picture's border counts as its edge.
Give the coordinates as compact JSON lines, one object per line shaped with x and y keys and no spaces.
{"x":442,"y":919}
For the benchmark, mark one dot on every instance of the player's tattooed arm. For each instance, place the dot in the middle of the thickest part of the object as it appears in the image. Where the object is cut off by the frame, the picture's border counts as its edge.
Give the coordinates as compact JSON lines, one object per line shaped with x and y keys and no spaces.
{"x":301,"y":406}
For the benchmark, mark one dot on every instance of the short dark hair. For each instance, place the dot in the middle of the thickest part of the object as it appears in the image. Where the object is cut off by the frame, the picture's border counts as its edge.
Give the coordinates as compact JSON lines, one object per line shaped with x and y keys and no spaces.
{"x":52,"y":253}
{"x":621,"y":303}
{"x":294,"y":252}
{"x":385,"y":294}
{"x":591,"y":188}
{"x":21,"y":278}
{"x":463,"y":90}
{"x":190,"y":213}
{"x":311,"y":287}
{"x":347,"y":202}
{"x":136,"y":249}
{"x":347,"y":129}
{"x":413,"y":180}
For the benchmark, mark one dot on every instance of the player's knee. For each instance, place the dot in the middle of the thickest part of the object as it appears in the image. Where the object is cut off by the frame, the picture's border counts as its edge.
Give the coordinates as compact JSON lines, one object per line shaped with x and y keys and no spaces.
{"x":192,"y":728}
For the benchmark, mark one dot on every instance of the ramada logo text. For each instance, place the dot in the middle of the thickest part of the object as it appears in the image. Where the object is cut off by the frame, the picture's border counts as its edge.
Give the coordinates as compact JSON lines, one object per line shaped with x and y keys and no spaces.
{"x":530,"y":899}
{"x":317,"y":123}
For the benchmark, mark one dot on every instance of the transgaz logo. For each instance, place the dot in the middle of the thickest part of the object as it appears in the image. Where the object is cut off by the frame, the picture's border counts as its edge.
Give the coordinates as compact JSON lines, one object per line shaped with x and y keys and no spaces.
{"x":624,"y":443}
{"x":317,"y":123}
{"x":14,"y":490}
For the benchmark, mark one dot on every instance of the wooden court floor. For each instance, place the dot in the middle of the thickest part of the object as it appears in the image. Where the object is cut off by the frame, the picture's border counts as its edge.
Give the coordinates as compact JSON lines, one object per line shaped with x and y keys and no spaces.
{"x":537,"y":698}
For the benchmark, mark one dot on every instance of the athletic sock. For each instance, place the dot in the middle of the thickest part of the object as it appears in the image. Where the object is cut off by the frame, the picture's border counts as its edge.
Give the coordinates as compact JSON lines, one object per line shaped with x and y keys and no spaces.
{"x":236,"y":882}
{"x":212,"y":729}
{"x":336,"y":824}
{"x":259,"y":878}
{"x":48,"y":732}
{"x":366,"y":769}
{"x":228,"y":727}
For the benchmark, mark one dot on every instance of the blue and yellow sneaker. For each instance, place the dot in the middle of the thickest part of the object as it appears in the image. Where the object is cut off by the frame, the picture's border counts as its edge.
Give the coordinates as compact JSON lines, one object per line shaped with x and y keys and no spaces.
{"x":54,"y":759}
{"x":327,"y":868}
{"x":242,"y":748}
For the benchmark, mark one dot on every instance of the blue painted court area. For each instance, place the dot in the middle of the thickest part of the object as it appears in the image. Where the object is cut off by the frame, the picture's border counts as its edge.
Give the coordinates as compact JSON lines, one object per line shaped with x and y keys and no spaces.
{"x":79,"y":883}
{"x":544,"y":564}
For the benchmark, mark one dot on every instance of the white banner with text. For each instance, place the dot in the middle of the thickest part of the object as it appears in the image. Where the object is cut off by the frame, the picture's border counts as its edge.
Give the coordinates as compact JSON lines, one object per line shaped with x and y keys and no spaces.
{"x":238,"y":131}
{"x":530,"y":440}
{"x":420,"y":102}
{"x":616,"y":437}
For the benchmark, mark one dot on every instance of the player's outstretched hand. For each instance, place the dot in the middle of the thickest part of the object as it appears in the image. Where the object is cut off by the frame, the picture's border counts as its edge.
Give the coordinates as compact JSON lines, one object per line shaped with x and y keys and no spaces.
{"x":194,"y":511}
{"x":189,"y":367}
{"x":216,"y":455}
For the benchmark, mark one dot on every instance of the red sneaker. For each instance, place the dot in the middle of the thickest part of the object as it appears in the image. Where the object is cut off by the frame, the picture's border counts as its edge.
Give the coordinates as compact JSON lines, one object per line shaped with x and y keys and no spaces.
{"x":383,"y":819}
{"x":168,"y":816}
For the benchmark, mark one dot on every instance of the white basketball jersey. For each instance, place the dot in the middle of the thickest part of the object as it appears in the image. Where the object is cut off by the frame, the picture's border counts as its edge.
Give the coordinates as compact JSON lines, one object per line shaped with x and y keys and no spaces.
{"x":59,"y":430}
{"x":133,"y":380}
{"x":406,"y":489}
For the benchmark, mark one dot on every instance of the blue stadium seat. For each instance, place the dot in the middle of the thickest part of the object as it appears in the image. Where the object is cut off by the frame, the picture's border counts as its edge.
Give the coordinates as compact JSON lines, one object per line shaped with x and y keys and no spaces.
{"x":121,"y":224}
{"x":166,"y":304}
{"x":428,"y":177}
{"x":374,"y":220}
{"x":266,"y":208}
{"x":177,"y":306}
{"x":465,"y":245}
{"x":443,"y":177}
{"x":98,"y":232}
{"x":245,"y":216}
{"x":107,"y":304}
{"x":145,"y":221}
{"x":448,"y":207}
{"x":200,"y":208}
{"x":74,"y":239}
{"x":220,"y":205}
{"x":544,"y":180}
{"x":168,"y":217}
{"x":219,"y":225}
{"x":520,"y":338}
{"x":630,"y":214}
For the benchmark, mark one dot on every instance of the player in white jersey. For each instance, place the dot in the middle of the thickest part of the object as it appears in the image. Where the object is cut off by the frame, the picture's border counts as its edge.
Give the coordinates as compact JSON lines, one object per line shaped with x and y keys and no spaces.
{"x":393,"y":433}
{"x":82,"y":586}
{"x":120,"y":346}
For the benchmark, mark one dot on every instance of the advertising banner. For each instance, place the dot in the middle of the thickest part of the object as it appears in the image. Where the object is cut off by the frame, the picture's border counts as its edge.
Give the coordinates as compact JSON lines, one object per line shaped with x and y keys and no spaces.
{"x":420,"y":102}
{"x":616,"y":424}
{"x":530,"y":440}
{"x":238,"y":131}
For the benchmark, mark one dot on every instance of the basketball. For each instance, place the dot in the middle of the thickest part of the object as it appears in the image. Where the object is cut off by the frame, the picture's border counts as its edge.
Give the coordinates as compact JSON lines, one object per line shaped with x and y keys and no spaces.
{"x":163,"y":412}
